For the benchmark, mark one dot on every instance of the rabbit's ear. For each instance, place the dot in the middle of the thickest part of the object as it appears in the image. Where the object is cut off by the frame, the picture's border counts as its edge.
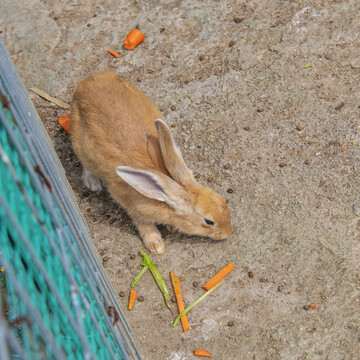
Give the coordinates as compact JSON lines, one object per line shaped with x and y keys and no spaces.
{"x":153,"y":185}
{"x":172,"y":156}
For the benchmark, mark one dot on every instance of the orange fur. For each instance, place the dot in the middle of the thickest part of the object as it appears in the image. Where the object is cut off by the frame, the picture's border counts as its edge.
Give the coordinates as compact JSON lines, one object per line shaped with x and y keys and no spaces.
{"x":114,"y":135}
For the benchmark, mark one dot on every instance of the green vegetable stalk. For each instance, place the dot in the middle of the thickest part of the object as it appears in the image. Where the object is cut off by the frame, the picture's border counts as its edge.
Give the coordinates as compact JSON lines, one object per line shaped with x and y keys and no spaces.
{"x":155,"y":272}
{"x":138,"y":276}
{"x":201,"y":298}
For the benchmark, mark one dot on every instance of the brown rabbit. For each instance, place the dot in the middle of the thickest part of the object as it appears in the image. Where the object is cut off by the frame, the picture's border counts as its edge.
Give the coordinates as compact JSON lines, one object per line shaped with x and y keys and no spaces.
{"x":118,"y":136}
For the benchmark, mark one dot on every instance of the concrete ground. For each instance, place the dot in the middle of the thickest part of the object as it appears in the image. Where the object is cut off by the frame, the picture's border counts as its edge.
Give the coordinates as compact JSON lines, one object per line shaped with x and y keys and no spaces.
{"x":264,"y":100}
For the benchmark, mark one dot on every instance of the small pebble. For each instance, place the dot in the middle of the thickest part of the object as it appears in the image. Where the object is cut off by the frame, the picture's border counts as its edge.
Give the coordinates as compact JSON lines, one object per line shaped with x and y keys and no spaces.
{"x":112,"y":221}
{"x":88,"y":209}
{"x":140,"y":298}
{"x":230,"y":191}
{"x":231,"y":323}
{"x":137,"y":27}
{"x":173,"y":300}
{"x":210,"y":179}
{"x":227,"y":166}
{"x":201,"y":57}
{"x":173,"y":125}
{"x":231,"y":43}
{"x":306,"y":307}
{"x":122,"y":294}
{"x":197,"y":177}
{"x":238,"y":20}
{"x":247,"y":128}
{"x":300,"y":128}
{"x":162,"y":30}
{"x":282,"y":164}
{"x":132,"y":256}
{"x":307,"y":162}
{"x":102,"y":253}
{"x":251,"y":274}
{"x":150,"y":71}
{"x":173,"y":108}
{"x":195,"y":284}
{"x":338,"y":107}
{"x":105,"y":259}
{"x":260,"y":110}
{"x":280,"y":288}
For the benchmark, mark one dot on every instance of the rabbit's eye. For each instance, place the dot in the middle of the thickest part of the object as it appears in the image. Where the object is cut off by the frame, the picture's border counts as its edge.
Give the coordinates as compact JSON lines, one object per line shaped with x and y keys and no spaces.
{"x":209,"y":222}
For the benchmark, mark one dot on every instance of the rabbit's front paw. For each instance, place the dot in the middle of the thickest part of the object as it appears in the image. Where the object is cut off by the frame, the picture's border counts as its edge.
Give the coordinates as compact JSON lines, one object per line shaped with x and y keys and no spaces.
{"x":151,"y":236}
{"x":155,"y":244}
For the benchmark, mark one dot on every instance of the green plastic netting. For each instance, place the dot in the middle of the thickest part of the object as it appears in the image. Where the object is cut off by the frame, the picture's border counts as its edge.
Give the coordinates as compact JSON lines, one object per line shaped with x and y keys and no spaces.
{"x":55,"y":298}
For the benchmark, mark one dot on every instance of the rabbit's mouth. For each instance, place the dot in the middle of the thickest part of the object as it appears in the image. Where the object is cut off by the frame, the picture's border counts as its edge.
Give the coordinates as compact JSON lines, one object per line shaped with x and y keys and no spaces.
{"x":221,"y":235}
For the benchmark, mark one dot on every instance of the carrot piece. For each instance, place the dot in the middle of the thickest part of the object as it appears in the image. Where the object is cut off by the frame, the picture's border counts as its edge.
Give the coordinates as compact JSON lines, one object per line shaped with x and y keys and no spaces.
{"x":134,"y":38}
{"x":344,"y":149}
{"x":176,"y":284}
{"x":204,"y":353}
{"x":132,"y":299}
{"x":15,"y":60}
{"x":220,"y":275}
{"x":196,"y":302}
{"x":180,"y":277}
{"x":64,"y":121}
{"x":113,"y":53}
{"x":313,"y":306}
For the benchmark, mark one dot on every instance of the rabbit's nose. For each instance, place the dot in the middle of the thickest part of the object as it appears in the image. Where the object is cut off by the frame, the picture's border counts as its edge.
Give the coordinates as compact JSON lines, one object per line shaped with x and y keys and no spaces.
{"x":226,"y":233}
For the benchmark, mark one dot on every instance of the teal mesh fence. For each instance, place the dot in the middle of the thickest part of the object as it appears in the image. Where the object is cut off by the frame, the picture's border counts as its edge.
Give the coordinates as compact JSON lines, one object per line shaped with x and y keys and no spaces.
{"x":56,"y":301}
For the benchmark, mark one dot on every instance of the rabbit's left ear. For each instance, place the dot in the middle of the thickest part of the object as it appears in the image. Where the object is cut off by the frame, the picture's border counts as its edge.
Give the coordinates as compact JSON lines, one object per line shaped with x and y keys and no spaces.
{"x":172,"y":156}
{"x":154,"y":185}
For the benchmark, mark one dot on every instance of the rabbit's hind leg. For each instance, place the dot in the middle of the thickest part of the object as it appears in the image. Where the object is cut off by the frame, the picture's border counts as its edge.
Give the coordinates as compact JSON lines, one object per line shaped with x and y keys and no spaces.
{"x":91,"y":181}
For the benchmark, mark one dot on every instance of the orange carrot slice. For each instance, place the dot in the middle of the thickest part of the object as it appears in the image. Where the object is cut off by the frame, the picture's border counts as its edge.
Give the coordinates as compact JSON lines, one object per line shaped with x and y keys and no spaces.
{"x":132,"y":299}
{"x":176,"y":284}
{"x":64,"y":121}
{"x":113,"y":53}
{"x":220,"y":275}
{"x":134,"y":38}
{"x":204,"y":353}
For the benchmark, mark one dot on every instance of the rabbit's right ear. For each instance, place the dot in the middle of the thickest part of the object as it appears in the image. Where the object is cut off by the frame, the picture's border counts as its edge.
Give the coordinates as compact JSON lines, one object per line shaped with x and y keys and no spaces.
{"x":172,"y":156}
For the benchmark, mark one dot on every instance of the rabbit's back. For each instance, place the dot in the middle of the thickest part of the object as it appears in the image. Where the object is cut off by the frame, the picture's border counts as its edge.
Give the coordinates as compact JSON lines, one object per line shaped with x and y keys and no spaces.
{"x":112,"y":124}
